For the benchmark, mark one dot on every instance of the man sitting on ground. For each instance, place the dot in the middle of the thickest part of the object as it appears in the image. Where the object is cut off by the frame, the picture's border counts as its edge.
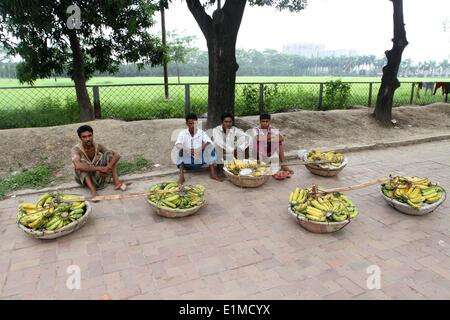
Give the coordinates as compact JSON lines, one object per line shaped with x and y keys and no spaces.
{"x":267,"y":141}
{"x":229,"y":142}
{"x":195,"y":149}
{"x":94,"y":164}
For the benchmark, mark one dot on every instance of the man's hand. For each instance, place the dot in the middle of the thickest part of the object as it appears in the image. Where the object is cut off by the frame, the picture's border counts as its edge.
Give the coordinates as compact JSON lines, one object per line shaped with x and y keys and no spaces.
{"x":104,"y":171}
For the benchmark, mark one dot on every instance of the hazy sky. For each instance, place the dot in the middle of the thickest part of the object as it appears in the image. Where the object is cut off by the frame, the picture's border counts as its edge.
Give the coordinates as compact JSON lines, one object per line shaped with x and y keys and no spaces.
{"x":363,"y":25}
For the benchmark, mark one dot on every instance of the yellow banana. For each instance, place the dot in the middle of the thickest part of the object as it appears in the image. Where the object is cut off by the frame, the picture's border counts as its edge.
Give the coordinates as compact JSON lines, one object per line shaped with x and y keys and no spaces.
{"x":27,"y":206}
{"x":291,"y":196}
{"x":314,"y":212}
{"x":296,"y":193}
{"x":319,"y":206}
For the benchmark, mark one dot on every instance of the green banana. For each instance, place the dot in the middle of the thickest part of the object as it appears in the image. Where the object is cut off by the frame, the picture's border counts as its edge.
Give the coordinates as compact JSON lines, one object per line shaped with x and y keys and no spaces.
{"x":170,"y":185}
{"x":79,"y":206}
{"x":339,"y":218}
{"x":173,"y":198}
{"x":61,"y":208}
{"x":42,"y":200}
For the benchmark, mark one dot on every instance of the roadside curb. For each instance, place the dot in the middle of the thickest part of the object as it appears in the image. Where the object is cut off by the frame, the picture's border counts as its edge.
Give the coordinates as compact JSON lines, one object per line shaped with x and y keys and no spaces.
{"x":379,"y":145}
{"x":289,"y":155}
{"x":73,"y":185}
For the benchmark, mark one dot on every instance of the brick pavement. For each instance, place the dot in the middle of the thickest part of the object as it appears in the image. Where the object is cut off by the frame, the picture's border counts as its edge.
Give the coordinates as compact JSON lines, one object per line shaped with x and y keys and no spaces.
{"x":243,"y":245}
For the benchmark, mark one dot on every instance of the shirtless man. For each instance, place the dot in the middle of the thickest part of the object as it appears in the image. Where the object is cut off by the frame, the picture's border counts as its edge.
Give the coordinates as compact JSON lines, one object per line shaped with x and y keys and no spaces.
{"x":94,"y":164}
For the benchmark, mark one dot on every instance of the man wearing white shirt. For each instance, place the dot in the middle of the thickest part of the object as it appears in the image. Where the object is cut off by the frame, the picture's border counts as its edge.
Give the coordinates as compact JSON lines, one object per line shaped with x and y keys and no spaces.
{"x":195,"y":149}
{"x":229,"y":141}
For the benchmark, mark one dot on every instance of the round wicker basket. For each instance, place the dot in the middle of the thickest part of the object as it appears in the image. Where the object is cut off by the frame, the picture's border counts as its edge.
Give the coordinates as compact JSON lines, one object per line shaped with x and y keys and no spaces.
{"x":246,"y":181}
{"x":323,"y":170}
{"x":318,"y":227}
{"x":405,"y":208}
{"x":174,"y":213}
{"x":69,"y":228}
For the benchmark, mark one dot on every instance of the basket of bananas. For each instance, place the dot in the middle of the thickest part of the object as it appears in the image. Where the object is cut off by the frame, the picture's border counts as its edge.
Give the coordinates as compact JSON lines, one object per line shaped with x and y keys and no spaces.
{"x":247,"y":173}
{"x":321,"y":212}
{"x":325,"y":169}
{"x":412,"y":195}
{"x":171,"y":201}
{"x":51,"y":217}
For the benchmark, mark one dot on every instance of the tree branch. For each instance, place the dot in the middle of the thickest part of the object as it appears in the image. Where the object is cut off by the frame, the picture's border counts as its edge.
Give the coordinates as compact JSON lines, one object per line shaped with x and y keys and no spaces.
{"x":203,"y":19}
{"x":234,"y":10}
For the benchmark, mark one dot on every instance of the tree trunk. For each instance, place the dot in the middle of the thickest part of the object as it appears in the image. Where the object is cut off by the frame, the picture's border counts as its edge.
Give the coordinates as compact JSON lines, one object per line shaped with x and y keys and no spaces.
{"x":86,"y":111}
{"x":389,"y":81}
{"x":163,"y":31}
{"x":178,"y":72}
{"x":220,"y":32}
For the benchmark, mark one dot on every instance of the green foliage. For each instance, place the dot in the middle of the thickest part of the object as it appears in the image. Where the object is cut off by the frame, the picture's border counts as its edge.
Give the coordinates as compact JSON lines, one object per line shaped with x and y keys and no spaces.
{"x":250,"y":95}
{"x":111,"y":33}
{"x":179,"y":46}
{"x":33,"y":178}
{"x":250,"y":98}
{"x":337,"y":94}
{"x":136,"y":165}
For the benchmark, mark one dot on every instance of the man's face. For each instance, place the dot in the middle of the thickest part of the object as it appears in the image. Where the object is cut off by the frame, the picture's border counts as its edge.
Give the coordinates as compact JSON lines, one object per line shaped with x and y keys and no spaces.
{"x":264,"y":123}
{"x":191,"y":124}
{"x":227,"y":123}
{"x":87,"y":139}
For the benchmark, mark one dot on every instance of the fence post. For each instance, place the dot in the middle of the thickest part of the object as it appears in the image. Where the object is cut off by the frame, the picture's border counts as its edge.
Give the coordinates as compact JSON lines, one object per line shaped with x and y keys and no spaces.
{"x":97,"y":106}
{"x":412,"y":94}
{"x":261,"y":98}
{"x":320,"y":107}
{"x":446,"y":97}
{"x":369,"y":103}
{"x":187,"y":99}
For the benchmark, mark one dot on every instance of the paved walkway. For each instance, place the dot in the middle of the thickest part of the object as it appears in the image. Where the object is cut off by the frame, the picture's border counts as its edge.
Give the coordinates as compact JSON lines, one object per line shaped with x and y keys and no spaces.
{"x":243,"y":245}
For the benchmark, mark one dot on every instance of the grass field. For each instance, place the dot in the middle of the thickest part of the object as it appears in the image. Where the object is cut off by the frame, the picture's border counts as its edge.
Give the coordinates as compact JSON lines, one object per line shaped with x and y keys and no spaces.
{"x":35,"y":106}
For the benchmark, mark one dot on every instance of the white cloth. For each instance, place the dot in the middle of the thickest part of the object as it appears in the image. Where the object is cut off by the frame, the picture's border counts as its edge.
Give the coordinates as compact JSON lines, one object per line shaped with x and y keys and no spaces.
{"x":230,"y":140}
{"x":192,"y":142}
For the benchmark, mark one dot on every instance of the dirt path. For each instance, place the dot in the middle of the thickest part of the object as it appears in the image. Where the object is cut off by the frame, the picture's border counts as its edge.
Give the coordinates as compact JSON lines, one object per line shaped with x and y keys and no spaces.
{"x":26,"y":148}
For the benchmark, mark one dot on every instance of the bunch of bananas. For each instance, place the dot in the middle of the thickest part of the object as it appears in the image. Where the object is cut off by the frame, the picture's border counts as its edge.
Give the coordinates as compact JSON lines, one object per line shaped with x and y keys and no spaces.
{"x":314,"y":205}
{"x":48,"y":214}
{"x":258,"y":168}
{"x":317,"y":155}
{"x":415,"y":192}
{"x":188,"y":197}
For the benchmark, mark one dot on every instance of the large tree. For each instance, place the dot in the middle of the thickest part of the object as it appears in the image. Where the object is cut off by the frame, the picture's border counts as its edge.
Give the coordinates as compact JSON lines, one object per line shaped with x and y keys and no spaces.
{"x":78,"y":37}
{"x":389,"y":81}
{"x":220,"y":31}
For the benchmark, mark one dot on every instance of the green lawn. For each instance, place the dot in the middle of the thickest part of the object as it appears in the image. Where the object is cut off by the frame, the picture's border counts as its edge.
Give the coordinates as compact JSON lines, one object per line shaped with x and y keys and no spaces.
{"x":32,"y":107}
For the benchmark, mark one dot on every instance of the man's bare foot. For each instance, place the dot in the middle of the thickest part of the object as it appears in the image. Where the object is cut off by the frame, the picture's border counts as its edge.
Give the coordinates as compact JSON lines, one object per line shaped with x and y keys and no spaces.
{"x":287,"y":169}
{"x":93,"y":195}
{"x":215,"y":177}
{"x":122,"y":185}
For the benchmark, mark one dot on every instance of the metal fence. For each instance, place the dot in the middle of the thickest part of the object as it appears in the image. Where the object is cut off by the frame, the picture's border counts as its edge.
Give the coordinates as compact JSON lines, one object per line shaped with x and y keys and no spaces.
{"x":57,"y":105}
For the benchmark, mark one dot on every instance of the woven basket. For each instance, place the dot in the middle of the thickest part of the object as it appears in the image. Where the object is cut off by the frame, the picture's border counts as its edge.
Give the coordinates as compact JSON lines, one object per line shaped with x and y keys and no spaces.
{"x":405,"y":208}
{"x":246,"y":181}
{"x":174,"y":213}
{"x":324,"y":171}
{"x":71,"y":227}
{"x":318,"y":227}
